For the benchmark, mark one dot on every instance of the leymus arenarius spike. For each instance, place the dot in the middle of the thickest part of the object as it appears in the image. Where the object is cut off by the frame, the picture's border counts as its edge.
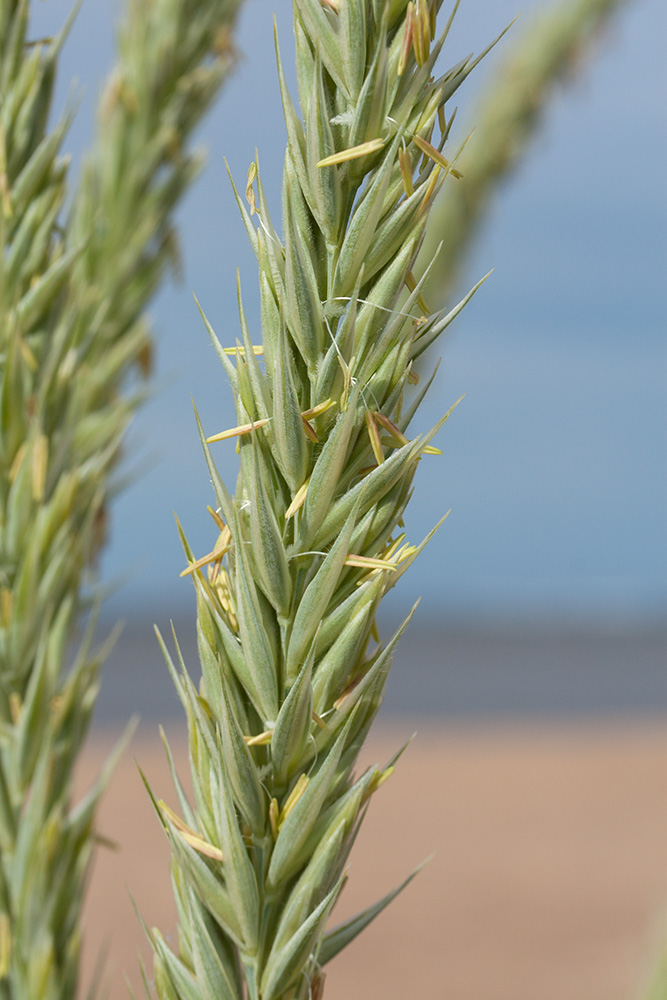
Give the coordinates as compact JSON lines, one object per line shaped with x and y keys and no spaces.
{"x":287,"y":597}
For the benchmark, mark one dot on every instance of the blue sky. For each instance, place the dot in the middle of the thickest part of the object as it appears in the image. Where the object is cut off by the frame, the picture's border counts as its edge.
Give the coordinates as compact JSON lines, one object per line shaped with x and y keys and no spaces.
{"x":555,"y":463}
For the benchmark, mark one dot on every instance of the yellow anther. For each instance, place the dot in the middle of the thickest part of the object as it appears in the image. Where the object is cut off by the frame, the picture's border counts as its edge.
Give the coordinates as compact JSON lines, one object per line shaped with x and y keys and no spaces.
{"x":293,"y":798}
{"x":411,"y":284}
{"x":274,"y":812}
{"x":353,"y":153}
{"x":421,"y":30}
{"x":249,"y":190}
{"x":189,"y":835}
{"x":223,"y":545}
{"x":407,"y":40}
{"x":238,"y":431}
{"x":367,"y":562}
{"x":377,"y":781}
{"x":430,"y":191}
{"x":316,"y":411}
{"x":374,"y":437}
{"x":429,"y":150}
{"x":319,"y":721}
{"x":257,"y":350}
{"x":259,"y":741}
{"x":394,"y":546}
{"x":216,"y":517}
{"x":391,"y":427}
{"x":222,"y":590}
{"x":310,"y":430}
{"x":298,"y":501}
{"x":405,"y":164}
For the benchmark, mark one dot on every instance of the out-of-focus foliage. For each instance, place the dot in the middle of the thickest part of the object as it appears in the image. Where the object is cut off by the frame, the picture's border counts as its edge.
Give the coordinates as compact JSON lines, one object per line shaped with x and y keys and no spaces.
{"x":72,"y":294}
{"x":657,"y":989}
{"x":511,"y":108}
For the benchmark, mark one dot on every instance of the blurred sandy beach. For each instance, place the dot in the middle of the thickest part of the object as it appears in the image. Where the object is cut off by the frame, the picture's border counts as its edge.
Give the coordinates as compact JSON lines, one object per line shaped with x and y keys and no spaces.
{"x":549,"y":876}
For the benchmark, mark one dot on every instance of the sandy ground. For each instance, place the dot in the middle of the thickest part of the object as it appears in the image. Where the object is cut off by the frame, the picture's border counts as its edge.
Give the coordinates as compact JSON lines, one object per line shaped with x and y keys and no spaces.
{"x":549,"y":880}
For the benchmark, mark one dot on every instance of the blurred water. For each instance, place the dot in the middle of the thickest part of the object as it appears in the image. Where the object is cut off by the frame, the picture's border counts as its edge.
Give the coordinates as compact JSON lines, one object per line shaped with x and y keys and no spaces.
{"x":443,"y":668}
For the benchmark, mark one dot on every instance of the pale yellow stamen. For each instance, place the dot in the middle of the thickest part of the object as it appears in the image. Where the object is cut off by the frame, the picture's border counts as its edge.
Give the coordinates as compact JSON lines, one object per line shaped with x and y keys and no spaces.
{"x":422,"y":27}
{"x":238,"y":431}
{"x":293,"y":798}
{"x":298,"y":501}
{"x":406,"y":171}
{"x":425,"y":203}
{"x":259,"y":741}
{"x":424,"y":13}
{"x":221,"y":589}
{"x":216,"y":517}
{"x":319,"y":721}
{"x":391,"y":427}
{"x":310,"y":431}
{"x":367,"y":562}
{"x":394,"y":546}
{"x":257,"y":350}
{"x":250,"y":191}
{"x":190,"y":836}
{"x":377,"y":781}
{"x":428,"y":149}
{"x":374,"y":437}
{"x":404,"y":553}
{"x":224,"y":543}
{"x":316,"y":411}
{"x":411,"y":284}
{"x":418,"y":41}
{"x":274,"y":814}
{"x":407,"y":40}
{"x":354,"y":153}
{"x":202,"y":846}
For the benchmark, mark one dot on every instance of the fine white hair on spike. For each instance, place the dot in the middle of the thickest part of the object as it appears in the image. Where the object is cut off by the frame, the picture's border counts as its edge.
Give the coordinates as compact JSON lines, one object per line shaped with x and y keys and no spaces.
{"x":346,"y":118}
{"x":375,"y":305}
{"x":270,"y":235}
